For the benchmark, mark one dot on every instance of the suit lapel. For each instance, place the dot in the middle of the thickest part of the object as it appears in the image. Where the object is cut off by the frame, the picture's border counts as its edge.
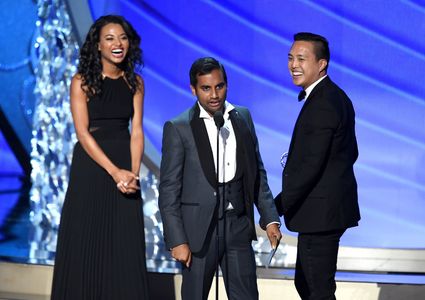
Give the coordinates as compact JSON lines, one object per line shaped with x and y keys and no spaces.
{"x":203,"y":146}
{"x":242,"y":134}
{"x":244,"y":139}
{"x":247,"y":158}
{"x":317,"y":88}
{"x":296,"y":127}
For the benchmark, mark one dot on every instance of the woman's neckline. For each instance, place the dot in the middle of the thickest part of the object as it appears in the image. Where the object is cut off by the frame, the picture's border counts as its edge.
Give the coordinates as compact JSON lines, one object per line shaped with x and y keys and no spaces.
{"x":104,"y":76}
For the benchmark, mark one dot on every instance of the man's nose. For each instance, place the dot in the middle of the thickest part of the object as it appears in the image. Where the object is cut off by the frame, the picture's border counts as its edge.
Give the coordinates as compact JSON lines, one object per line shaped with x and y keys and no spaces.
{"x":214,"y":94}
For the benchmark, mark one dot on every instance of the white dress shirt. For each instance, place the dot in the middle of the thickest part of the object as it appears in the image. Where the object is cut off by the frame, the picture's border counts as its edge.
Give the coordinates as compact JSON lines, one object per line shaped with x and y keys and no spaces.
{"x":227,"y":143}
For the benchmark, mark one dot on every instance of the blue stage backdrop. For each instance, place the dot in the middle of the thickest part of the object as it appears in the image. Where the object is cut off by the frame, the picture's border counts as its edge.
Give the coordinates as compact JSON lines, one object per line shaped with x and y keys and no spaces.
{"x":16,"y":100}
{"x":377,"y":57}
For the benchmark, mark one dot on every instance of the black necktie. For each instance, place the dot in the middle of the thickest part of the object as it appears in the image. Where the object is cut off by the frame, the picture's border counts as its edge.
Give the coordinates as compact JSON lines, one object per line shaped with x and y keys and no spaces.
{"x":301,"y":95}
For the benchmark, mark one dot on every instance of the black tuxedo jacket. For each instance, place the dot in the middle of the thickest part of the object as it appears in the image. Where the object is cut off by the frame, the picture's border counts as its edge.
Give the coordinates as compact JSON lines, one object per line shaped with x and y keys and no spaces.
{"x":187,"y":190}
{"x":319,"y":190}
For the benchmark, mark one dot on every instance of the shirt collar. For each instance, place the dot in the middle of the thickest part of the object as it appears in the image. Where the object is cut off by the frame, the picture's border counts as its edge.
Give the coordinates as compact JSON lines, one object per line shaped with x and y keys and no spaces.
{"x":227,"y":108}
{"x":312,"y":86}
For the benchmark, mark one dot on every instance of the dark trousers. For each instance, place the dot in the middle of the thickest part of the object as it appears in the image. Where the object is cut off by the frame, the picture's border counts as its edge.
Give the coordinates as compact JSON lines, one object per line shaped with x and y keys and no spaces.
{"x":316,"y":264}
{"x":236,"y":259}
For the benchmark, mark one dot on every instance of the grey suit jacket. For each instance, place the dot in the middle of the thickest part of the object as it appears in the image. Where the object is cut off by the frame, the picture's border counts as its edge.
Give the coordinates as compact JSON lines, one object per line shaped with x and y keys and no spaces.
{"x":187,"y":190}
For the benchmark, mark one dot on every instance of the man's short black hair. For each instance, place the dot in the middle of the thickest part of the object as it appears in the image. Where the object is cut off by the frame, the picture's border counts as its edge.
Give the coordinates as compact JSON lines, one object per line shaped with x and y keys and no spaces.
{"x":203,"y":66}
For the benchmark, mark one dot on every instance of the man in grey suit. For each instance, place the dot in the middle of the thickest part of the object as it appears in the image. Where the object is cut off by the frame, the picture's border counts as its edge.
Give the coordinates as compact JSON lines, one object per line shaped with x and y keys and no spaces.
{"x":195,"y":220}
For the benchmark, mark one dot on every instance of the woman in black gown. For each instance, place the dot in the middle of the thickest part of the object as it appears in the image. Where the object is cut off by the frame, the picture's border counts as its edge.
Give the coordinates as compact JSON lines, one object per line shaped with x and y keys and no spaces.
{"x":101,"y":247}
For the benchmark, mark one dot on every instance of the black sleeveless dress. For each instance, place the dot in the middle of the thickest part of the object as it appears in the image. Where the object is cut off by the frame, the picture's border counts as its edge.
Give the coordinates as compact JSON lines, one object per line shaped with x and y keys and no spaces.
{"x":101,"y":244}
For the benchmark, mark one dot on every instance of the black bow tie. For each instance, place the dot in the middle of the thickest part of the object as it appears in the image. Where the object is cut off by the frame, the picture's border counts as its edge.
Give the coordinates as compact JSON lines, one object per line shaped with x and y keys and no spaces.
{"x":301,"y":95}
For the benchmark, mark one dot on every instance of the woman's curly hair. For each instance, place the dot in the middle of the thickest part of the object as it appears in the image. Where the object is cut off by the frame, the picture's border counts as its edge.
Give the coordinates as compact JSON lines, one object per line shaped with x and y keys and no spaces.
{"x":90,"y":66}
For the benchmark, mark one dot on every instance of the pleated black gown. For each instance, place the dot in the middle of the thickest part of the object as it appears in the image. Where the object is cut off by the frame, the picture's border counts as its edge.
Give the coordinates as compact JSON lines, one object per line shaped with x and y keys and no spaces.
{"x":101,"y":244}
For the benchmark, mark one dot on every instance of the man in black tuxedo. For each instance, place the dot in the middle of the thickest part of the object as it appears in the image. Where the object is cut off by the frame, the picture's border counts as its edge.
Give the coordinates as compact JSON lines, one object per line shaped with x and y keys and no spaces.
{"x":193,"y":219}
{"x":319,"y":190}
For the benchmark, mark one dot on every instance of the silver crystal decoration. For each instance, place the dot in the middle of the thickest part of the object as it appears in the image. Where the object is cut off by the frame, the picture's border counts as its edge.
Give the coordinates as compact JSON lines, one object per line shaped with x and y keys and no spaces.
{"x":54,"y":58}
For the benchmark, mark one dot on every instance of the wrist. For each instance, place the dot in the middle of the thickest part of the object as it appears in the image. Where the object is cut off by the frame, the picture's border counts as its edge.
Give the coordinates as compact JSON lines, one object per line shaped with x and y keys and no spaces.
{"x":112,"y":170}
{"x":136,"y":174}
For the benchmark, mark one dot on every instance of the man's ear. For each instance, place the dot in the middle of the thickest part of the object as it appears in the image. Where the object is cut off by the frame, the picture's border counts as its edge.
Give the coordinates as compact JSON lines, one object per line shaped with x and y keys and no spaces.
{"x":323,"y":64}
{"x":192,"y":88}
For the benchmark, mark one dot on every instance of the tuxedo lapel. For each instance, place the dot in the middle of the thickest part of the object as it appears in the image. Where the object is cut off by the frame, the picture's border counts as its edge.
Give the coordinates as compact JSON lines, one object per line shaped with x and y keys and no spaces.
{"x":296,"y":127}
{"x":244,"y":139}
{"x":317,"y":88}
{"x":203,"y":146}
{"x":242,"y":133}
